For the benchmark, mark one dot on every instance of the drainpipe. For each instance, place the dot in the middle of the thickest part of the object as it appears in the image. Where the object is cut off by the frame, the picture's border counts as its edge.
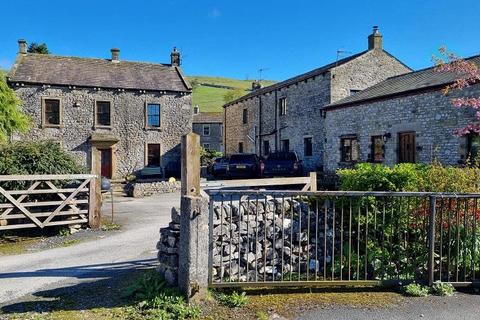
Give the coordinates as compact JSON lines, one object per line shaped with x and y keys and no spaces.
{"x":224,"y":130}
{"x":259,"y":124}
{"x":276,"y":131}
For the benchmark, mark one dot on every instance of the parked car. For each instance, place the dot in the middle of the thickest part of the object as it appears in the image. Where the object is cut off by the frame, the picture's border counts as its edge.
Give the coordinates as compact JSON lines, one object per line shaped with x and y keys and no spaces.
{"x":282,"y":163}
{"x":244,"y":165}
{"x":219,"y":167}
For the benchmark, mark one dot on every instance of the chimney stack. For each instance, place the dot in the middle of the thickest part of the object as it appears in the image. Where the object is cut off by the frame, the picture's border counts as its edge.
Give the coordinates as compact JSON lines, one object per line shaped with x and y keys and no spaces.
{"x":375,"y":39}
{"x":22,"y":46}
{"x":115,"y":55}
{"x":175,"y":57}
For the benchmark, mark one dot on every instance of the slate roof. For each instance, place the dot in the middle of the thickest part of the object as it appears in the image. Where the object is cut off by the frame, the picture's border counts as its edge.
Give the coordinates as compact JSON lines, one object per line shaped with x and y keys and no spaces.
{"x":208,"y":117}
{"x":403,"y":84}
{"x":303,"y":76}
{"x":103,"y":73}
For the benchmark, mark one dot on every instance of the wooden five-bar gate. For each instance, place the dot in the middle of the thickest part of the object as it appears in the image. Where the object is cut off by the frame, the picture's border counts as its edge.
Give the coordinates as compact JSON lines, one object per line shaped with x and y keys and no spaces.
{"x":39,"y":201}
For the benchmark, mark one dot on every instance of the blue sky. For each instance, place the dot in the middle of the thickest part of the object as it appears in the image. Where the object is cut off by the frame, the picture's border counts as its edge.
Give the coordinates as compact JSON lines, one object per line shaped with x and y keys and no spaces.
{"x":236,"y":38}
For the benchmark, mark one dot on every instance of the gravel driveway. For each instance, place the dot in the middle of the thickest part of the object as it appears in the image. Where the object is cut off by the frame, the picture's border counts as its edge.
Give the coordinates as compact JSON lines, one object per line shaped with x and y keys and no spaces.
{"x":131,"y":248}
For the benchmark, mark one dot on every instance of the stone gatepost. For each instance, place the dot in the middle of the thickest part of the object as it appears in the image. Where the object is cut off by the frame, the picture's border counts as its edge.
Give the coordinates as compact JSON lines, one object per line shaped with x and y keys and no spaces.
{"x":194,"y":233}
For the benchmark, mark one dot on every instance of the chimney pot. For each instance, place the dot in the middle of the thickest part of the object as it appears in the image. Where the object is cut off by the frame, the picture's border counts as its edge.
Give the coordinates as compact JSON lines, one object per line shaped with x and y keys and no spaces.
{"x":115,"y":55}
{"x":375,"y":40}
{"x":22,"y":46}
{"x":175,"y":59}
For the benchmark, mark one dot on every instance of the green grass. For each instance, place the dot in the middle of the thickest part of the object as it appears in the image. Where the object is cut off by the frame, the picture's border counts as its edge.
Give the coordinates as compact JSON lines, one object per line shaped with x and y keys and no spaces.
{"x":210,"y":99}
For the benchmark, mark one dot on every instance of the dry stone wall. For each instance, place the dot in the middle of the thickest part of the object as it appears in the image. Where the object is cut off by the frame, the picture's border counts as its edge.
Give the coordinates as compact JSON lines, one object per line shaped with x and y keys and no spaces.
{"x":270,"y":239}
{"x":144,"y":189}
{"x":168,"y":249}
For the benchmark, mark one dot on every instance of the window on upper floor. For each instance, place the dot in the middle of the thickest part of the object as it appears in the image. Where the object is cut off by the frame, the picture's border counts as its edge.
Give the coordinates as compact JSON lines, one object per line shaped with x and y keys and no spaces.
{"x":349,"y":148}
{"x":153,"y":115}
{"x":51,"y":112}
{"x":206,"y":130}
{"x":307,"y":147}
{"x":206,"y":146}
{"x":103,"y":113}
{"x":378,"y":149}
{"x":245,"y":116}
{"x":282,"y":106}
{"x":196,"y":110}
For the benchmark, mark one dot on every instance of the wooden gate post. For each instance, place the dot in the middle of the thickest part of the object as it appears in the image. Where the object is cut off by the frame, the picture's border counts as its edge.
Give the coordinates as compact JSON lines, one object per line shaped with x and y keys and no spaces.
{"x":313,"y":181}
{"x":194,"y":229}
{"x":191,"y":165}
{"x":95,"y":192}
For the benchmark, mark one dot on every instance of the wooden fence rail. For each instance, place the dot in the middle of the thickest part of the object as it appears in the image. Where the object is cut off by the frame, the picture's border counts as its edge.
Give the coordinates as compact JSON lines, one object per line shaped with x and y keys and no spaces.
{"x":39,"y":201}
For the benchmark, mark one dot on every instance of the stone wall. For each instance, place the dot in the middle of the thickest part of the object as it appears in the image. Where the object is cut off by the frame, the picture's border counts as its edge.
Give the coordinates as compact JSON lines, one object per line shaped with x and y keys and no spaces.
{"x":128,"y":123}
{"x":430,"y":114}
{"x":141,"y":189}
{"x":168,"y":249}
{"x":305,"y":99}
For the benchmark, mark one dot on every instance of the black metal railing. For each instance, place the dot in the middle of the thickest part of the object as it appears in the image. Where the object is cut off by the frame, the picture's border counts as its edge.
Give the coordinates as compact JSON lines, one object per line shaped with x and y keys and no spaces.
{"x":333,"y":237}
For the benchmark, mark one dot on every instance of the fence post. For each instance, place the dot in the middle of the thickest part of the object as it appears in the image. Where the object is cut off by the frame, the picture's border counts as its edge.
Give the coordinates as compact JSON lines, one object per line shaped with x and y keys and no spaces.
{"x":95,"y":191}
{"x":431,"y":241}
{"x":194,"y":229}
{"x":313,"y":181}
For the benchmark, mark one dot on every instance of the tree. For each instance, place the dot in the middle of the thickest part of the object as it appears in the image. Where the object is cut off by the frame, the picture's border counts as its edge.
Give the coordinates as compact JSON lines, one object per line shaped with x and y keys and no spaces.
{"x":468,"y":74}
{"x":233,"y":95}
{"x":38,"y":48}
{"x":12,"y":119}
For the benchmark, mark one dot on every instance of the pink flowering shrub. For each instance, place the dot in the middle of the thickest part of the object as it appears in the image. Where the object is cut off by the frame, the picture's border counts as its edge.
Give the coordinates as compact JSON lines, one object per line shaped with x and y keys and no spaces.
{"x":468,"y":74}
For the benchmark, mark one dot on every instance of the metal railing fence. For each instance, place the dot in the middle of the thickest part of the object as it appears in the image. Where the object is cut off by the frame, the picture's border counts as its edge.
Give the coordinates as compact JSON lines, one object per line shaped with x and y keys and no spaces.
{"x":294,"y":238}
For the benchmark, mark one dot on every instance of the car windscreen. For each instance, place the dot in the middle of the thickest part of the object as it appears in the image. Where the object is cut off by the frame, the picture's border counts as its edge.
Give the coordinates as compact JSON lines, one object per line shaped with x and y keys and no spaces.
{"x":242,"y":158}
{"x":282,"y":156}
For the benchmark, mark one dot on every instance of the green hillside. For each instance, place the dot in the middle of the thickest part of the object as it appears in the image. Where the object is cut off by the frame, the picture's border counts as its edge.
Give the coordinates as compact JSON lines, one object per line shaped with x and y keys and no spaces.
{"x":211,"y":99}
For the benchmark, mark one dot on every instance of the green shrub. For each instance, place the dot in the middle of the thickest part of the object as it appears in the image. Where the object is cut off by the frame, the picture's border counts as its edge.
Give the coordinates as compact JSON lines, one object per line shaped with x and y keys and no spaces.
{"x":442,"y":289}
{"x":415,"y":290}
{"x":410,"y":177}
{"x":24,"y":158}
{"x":155,"y":300}
{"x":207,"y":156}
{"x":234,"y":299}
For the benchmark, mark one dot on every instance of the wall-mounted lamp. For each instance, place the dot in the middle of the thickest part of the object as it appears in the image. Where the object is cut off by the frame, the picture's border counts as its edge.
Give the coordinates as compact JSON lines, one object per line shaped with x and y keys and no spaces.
{"x":386,"y":136}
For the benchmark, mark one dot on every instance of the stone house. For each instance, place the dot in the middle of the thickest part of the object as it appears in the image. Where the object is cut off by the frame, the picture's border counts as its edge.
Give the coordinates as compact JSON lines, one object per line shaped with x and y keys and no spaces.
{"x":406,"y":118}
{"x":289,"y":115}
{"x":209,"y":126}
{"x":119,"y":115}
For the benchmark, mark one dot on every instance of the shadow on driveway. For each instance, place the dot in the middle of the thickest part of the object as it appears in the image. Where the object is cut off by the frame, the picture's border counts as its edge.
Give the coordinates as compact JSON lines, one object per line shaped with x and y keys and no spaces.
{"x":104,"y":292}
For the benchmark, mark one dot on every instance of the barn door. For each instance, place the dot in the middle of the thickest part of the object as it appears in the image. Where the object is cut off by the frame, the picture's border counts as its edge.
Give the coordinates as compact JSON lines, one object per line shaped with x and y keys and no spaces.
{"x":406,"y":148}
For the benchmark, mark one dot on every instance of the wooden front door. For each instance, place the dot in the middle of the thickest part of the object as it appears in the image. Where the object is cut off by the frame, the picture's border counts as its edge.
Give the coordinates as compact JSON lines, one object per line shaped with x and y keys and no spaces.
{"x":406,"y":147}
{"x":106,"y":162}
